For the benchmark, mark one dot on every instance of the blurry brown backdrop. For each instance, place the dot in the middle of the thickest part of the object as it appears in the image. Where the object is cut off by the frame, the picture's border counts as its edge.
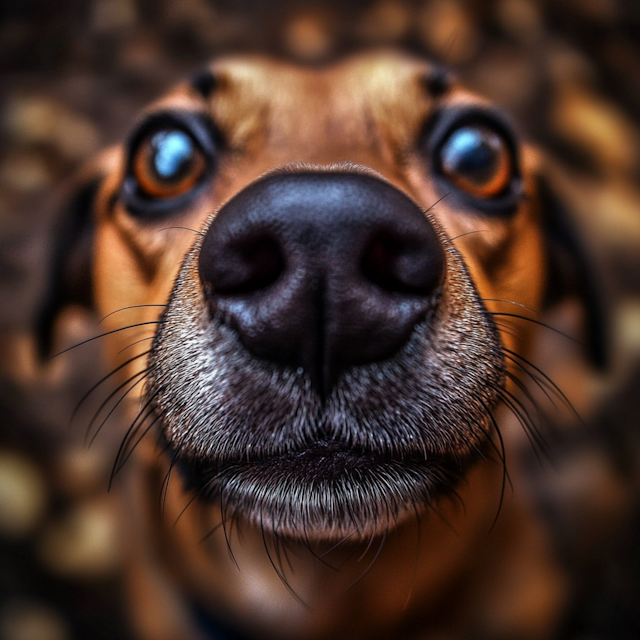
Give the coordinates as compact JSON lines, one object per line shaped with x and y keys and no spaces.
{"x":72,"y":75}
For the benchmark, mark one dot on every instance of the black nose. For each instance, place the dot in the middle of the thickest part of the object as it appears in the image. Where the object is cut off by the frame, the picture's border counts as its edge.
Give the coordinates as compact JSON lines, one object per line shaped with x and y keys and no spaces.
{"x":322,"y":271}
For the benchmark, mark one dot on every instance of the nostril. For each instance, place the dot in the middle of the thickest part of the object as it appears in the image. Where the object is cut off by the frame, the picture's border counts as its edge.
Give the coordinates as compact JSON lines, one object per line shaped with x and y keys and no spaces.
{"x":404,"y":265}
{"x":245,"y":266}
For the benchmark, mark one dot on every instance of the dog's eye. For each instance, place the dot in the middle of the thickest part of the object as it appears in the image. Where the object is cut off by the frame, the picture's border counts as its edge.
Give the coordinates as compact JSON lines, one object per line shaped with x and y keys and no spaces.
{"x":170,"y":156}
{"x":168,"y":163}
{"x":477,"y":160}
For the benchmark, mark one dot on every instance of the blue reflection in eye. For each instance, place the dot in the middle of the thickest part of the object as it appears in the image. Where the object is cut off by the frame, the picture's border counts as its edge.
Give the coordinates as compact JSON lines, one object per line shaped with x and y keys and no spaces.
{"x":173,"y":152}
{"x":472,"y":153}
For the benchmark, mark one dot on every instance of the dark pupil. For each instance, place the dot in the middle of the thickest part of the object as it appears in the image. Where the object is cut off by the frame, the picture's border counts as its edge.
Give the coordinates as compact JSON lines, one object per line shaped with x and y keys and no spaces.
{"x":471,"y":153}
{"x":171,"y":155}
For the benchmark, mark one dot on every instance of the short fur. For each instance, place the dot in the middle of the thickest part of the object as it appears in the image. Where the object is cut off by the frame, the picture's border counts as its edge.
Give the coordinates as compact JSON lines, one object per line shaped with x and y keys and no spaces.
{"x":371,"y":513}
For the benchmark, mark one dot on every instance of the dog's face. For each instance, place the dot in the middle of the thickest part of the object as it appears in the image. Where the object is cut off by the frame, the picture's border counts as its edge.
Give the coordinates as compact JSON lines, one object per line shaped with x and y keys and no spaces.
{"x":342,"y":254}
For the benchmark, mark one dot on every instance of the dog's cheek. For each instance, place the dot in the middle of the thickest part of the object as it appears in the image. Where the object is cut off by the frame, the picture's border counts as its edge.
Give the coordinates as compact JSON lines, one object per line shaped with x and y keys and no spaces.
{"x":509,"y":272}
{"x":521,"y":276}
{"x":121,"y":291}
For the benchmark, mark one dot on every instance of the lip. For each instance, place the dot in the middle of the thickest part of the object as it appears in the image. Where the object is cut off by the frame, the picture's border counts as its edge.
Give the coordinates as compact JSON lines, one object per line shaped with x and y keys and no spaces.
{"x":328,"y":489}
{"x":315,"y":458}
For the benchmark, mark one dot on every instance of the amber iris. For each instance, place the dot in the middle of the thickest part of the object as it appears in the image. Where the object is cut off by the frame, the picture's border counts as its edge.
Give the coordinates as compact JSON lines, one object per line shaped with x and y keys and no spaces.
{"x":168,"y":164}
{"x":477,"y":160}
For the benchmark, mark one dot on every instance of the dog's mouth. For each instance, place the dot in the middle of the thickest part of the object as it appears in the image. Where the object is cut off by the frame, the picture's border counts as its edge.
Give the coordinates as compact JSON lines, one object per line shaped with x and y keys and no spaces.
{"x":258,"y":442}
{"x":391,"y":440}
{"x":323,"y":462}
{"x":328,"y":488}
{"x":394,"y":436}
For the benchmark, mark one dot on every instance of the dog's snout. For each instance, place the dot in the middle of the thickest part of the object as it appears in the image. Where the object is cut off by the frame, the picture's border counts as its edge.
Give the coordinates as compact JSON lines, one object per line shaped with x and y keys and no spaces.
{"x":323,"y":270}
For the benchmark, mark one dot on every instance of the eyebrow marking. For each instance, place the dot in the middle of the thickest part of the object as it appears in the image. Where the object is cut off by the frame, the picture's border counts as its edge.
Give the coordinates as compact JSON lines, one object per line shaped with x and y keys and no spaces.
{"x":204,"y":82}
{"x":438,"y":81}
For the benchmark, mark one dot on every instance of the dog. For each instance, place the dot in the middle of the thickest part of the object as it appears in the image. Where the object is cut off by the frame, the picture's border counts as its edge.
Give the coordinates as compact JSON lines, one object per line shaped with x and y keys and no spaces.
{"x":330,"y":280}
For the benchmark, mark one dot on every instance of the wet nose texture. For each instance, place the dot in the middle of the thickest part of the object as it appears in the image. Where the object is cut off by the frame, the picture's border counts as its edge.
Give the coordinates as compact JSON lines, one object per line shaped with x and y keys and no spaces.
{"x":322,"y":271}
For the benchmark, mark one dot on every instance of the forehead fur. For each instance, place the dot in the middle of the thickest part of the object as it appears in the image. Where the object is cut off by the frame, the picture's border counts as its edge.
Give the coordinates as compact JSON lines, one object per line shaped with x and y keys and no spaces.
{"x":351,"y":102}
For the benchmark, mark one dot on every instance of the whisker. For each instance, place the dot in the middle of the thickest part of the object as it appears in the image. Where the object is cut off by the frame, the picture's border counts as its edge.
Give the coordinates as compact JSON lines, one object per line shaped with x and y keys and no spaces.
{"x":133,"y":344}
{"x":102,"y":335}
{"x":285,"y":550}
{"x":280,"y":575}
{"x":129,"y":453}
{"x":104,"y":379}
{"x":117,"y":465}
{"x":543,"y":417}
{"x":307,"y":544}
{"x":552,"y":384}
{"x":199,"y":233}
{"x":383,"y":540}
{"x":504,"y":328}
{"x":443,"y":518}
{"x":533,"y":377}
{"x":223,"y":516}
{"x":338,"y":544}
{"x":454,"y":494}
{"x":164,"y":487}
{"x":279,"y":550}
{"x":117,"y":404}
{"x":487,"y":434}
{"x":109,"y":398}
{"x":517,"y":304}
{"x":527,"y":422}
{"x":538,"y":445}
{"x":538,"y":322}
{"x":216,"y":527}
{"x":468,"y":233}
{"x":211,"y":532}
{"x":535,"y":430}
{"x":505,"y":472}
{"x":438,"y":201}
{"x":133,"y":306}
{"x":189,"y":503}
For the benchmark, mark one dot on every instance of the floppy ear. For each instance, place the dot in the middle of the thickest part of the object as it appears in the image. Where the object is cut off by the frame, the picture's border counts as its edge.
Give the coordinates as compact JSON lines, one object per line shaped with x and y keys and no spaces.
{"x":68,"y":272}
{"x":572,"y":272}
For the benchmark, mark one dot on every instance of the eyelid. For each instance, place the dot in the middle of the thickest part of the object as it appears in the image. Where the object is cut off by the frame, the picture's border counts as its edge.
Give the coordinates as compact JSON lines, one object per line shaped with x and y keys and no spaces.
{"x":438,"y":129}
{"x":196,"y":123}
{"x":200,"y":128}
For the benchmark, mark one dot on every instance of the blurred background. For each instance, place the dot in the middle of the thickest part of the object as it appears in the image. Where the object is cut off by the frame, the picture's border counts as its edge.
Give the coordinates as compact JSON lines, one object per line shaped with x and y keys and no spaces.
{"x":73,"y":74}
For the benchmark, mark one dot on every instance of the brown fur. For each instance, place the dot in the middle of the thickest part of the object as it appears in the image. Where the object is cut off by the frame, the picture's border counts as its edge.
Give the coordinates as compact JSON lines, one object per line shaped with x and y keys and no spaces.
{"x":441,"y":568}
